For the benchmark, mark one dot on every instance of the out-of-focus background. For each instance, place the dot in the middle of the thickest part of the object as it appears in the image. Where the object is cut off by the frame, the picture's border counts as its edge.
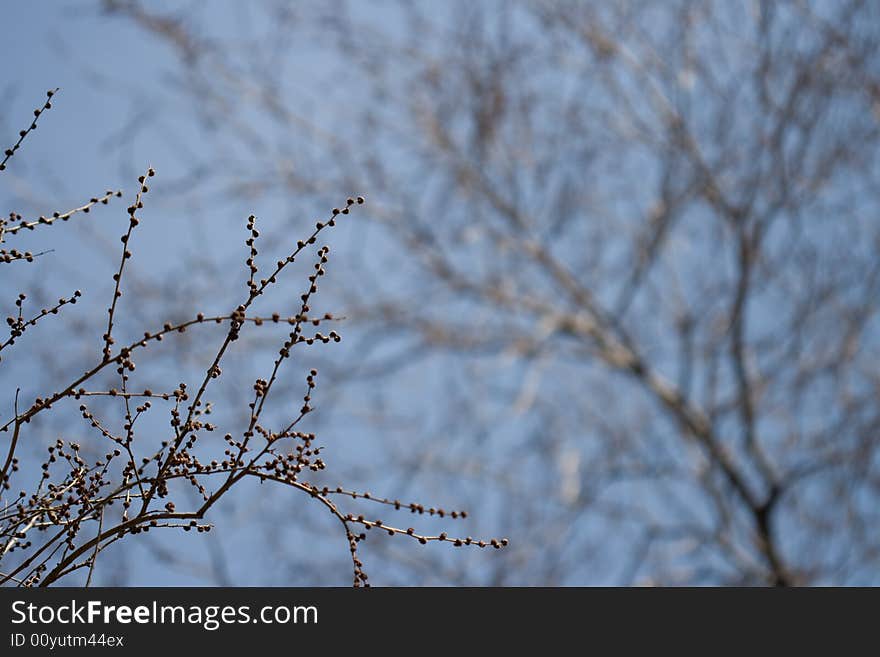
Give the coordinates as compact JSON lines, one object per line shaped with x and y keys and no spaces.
{"x":614,"y":290}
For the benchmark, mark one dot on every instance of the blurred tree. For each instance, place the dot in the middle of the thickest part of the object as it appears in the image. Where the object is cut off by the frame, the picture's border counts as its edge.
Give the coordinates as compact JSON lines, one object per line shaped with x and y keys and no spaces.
{"x":635,"y":262}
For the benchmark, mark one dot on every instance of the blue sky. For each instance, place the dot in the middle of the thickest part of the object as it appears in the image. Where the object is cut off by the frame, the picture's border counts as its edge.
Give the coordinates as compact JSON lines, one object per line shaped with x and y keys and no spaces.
{"x":124,"y":105}
{"x":113,"y":117}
